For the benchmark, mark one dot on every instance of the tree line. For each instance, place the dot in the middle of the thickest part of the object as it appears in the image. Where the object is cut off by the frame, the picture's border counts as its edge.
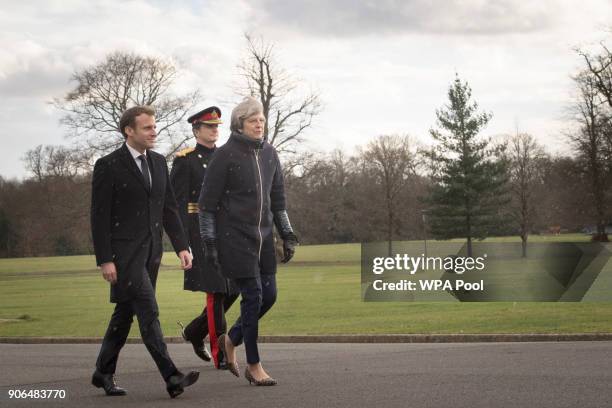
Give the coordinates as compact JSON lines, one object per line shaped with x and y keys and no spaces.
{"x":463,"y":185}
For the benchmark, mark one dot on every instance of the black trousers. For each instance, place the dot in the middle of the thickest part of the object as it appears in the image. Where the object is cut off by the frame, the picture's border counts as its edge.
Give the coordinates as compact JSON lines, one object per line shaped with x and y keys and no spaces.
{"x":211,"y":324}
{"x":258,"y":296}
{"x":144,"y":306}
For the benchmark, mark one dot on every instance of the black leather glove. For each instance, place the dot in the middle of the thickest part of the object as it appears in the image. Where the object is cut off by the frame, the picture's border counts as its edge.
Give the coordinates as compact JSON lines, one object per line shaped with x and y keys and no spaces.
{"x":289,"y":244}
{"x":281,"y":219}
{"x":210,"y":253}
{"x":208,"y":230}
{"x":208,"y":234}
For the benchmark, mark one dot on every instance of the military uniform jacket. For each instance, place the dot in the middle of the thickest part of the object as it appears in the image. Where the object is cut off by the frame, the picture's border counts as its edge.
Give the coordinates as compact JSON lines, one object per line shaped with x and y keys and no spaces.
{"x":243,"y":185}
{"x":127,"y":220}
{"x":187,"y":173}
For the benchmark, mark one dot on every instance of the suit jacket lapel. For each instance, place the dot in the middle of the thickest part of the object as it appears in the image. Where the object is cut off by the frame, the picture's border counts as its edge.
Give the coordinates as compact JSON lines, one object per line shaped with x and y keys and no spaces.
{"x":129,"y":162}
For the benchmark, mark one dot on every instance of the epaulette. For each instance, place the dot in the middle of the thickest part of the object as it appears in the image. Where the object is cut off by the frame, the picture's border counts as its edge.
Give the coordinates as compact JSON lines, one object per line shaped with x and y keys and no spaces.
{"x":185,"y":152}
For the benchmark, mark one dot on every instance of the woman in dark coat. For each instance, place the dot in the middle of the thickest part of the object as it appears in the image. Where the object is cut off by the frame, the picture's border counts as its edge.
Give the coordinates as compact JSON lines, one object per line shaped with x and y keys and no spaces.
{"x":242,"y":194}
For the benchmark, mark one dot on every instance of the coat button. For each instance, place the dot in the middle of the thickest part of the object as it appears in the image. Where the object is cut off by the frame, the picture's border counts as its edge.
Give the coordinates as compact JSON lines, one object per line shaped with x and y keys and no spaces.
{"x":199,"y":156}
{"x":204,"y":165}
{"x":157,"y":224}
{"x":116,"y":224}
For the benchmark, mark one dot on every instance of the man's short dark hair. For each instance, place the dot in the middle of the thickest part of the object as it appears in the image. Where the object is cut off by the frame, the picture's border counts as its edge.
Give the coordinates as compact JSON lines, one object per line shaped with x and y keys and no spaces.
{"x":129,"y":117}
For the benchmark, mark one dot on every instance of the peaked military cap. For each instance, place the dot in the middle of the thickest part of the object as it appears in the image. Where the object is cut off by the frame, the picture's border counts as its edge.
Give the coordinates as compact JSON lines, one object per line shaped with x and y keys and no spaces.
{"x":211,"y":116}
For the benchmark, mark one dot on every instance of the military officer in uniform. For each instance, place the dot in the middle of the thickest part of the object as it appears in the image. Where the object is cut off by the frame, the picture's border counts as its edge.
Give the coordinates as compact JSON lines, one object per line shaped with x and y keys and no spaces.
{"x":188,"y":171}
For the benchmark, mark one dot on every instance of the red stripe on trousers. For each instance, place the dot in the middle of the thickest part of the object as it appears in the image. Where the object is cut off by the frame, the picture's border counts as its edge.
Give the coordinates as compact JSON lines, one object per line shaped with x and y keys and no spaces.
{"x":212,"y":329}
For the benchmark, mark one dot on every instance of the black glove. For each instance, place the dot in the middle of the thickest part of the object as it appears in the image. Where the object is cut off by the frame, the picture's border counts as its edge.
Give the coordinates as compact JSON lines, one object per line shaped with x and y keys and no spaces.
{"x":281,"y":219}
{"x":208,"y":234}
{"x":208,"y":230}
{"x":210,"y":253}
{"x":289,"y":244}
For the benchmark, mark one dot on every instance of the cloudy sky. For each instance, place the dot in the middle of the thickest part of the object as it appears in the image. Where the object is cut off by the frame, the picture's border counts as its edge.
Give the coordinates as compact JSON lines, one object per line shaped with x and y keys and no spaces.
{"x":380,"y":67}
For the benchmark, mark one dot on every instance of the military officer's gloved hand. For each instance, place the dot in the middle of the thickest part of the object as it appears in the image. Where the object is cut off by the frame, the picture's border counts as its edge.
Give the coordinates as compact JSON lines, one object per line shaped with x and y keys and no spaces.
{"x":281,"y":219}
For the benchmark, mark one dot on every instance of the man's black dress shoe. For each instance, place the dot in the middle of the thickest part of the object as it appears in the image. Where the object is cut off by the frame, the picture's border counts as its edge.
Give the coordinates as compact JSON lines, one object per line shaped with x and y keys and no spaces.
{"x":222,"y":362}
{"x":176,"y":383}
{"x":199,"y":349}
{"x":107,"y":381}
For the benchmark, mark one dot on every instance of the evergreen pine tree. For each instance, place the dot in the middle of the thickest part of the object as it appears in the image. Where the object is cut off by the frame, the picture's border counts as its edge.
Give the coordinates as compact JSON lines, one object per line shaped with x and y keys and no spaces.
{"x":469,"y":179}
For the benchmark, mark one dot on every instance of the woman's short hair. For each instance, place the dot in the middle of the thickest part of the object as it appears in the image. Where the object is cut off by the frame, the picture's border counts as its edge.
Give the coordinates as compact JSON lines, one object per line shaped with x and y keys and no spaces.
{"x":248,"y":107}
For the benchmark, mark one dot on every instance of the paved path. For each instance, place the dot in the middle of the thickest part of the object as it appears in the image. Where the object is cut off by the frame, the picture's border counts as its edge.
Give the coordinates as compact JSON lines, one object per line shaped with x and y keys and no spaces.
{"x":533,"y":375}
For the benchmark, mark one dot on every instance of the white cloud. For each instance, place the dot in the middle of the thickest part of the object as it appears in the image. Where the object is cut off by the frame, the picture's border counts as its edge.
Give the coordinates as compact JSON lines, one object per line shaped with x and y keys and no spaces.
{"x":349,"y":18}
{"x":382,"y":69}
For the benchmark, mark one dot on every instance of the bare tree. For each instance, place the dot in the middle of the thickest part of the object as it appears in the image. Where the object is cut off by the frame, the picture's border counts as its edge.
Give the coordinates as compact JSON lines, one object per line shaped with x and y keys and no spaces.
{"x":34,"y":162}
{"x":105,"y":90}
{"x":288,"y":108}
{"x":322,"y":198}
{"x":565,"y":202}
{"x":600,"y":67}
{"x":592,"y":114}
{"x":54,"y":161}
{"x":526,"y":176}
{"x":393,"y":163}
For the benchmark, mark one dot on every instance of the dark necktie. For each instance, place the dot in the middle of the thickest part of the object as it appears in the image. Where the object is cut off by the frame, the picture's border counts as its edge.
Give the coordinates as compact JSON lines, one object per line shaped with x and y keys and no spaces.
{"x":145,"y":171}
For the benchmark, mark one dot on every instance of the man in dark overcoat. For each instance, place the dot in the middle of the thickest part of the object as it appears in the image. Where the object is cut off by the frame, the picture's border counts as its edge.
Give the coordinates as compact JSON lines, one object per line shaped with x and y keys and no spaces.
{"x":187,"y":173}
{"x":131,"y":204}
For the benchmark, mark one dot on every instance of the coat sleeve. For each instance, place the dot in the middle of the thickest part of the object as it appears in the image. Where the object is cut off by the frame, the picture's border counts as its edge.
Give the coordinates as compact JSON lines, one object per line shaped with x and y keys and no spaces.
{"x":172,"y":219}
{"x":179,"y":176}
{"x":213,"y":184}
{"x":277,"y":193}
{"x":101,"y":204}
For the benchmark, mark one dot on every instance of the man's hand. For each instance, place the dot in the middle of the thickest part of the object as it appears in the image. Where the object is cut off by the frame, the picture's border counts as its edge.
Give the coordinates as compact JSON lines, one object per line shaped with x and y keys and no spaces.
{"x":186,"y":258}
{"x":109,"y":272}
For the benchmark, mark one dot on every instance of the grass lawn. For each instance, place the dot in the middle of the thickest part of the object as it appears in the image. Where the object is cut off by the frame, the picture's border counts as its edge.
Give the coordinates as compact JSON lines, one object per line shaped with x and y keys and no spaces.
{"x":319,"y":293}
